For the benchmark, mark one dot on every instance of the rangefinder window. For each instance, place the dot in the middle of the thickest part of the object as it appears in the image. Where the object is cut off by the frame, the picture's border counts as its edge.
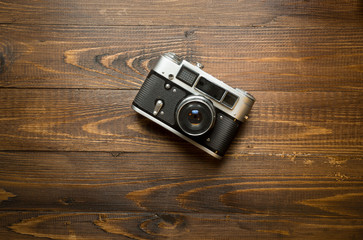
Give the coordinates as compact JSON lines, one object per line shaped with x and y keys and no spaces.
{"x":210,"y":88}
{"x":229,"y":100}
{"x":186,"y":75}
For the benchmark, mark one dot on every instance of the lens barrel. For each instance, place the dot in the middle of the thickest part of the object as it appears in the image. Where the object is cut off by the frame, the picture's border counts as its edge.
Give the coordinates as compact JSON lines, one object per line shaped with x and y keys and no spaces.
{"x":195,"y":115}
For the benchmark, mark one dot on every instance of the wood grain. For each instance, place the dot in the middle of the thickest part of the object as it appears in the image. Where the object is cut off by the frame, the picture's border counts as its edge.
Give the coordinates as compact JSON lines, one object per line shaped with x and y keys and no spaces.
{"x":78,"y":163}
{"x":98,"y":195}
{"x":254,"y":59}
{"x":201,"y":13}
{"x":299,"y":198}
{"x":321,"y":185}
{"x":109,"y":225}
{"x":4,"y":195}
{"x":102,"y":120}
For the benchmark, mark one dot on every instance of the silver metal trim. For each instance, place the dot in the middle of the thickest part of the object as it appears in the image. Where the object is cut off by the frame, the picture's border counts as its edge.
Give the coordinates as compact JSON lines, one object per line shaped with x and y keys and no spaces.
{"x":172,"y":56}
{"x":243,"y":105}
{"x":247,"y":94}
{"x":198,"y":64}
{"x":159,"y":104}
{"x":138,"y":110}
{"x":196,"y":99}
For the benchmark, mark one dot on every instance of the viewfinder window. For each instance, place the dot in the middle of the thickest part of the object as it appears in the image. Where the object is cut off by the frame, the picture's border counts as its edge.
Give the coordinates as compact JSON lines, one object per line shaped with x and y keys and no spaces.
{"x":186,"y":75}
{"x":229,"y":100}
{"x":210,"y":88}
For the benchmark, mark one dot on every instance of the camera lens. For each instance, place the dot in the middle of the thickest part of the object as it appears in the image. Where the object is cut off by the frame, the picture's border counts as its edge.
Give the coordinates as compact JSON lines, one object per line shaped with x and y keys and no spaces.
{"x":195,"y":115}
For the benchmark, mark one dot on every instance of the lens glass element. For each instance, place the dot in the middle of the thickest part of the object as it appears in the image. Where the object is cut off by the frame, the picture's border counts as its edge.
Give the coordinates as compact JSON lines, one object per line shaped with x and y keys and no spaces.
{"x":195,"y":117}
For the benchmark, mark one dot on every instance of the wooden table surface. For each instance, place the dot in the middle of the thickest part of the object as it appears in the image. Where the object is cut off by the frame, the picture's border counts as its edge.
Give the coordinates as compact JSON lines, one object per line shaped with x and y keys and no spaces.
{"x":78,"y":163}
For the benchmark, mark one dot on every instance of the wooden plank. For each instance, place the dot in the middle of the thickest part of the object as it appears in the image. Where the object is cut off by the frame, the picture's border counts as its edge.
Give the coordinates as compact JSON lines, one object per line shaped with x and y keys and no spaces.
{"x":78,"y":163}
{"x":254,"y":59}
{"x":200,"y":13}
{"x":84,"y":225}
{"x":114,"y":195}
{"x":102,"y":120}
{"x":268,"y":185}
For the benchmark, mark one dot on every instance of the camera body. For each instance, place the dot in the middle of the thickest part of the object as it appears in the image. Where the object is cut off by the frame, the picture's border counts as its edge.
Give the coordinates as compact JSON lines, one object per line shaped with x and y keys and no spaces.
{"x":192,"y":104}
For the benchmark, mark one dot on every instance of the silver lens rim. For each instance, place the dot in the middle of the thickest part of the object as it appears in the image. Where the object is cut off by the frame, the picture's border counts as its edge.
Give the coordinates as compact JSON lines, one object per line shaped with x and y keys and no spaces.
{"x":199,"y":99}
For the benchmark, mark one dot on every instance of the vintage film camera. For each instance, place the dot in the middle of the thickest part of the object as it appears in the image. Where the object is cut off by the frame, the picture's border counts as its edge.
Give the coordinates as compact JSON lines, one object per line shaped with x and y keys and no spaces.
{"x":193,"y":104}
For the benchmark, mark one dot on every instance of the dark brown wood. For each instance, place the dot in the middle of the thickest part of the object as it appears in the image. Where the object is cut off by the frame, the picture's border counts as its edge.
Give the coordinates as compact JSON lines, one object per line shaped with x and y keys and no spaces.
{"x":179,"y":182}
{"x":254,"y":59}
{"x":109,"y":225}
{"x":78,"y":163}
{"x":257,"y":13}
{"x":113,"y":195}
{"x":102,"y":120}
